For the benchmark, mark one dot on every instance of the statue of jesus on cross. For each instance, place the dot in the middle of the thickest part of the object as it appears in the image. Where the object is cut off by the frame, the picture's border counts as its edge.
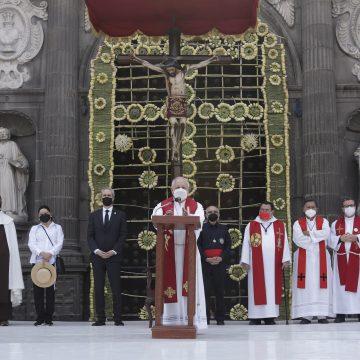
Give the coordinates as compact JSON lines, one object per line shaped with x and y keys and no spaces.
{"x":176,"y":104}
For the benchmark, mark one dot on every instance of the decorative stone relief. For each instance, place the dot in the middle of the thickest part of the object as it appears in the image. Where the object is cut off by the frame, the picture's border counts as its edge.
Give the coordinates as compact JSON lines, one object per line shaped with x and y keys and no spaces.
{"x":21,"y":39}
{"x":286,"y":8}
{"x":347,"y":13}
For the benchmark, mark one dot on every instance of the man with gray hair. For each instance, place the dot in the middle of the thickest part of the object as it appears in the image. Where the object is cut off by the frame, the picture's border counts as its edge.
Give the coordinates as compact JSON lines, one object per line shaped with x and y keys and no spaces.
{"x":106,"y":237}
{"x":175,"y":279}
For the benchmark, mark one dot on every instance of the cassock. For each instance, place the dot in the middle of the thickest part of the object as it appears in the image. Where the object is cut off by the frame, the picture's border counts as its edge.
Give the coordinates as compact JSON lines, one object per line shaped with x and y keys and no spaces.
{"x":312,"y":274}
{"x":11,"y":279}
{"x":175,"y":313}
{"x":346,"y":293}
{"x":265,"y":248}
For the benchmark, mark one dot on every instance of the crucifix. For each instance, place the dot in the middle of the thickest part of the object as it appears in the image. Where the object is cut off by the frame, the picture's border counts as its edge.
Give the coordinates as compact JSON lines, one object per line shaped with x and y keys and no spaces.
{"x":301,"y":277}
{"x":174,"y":74}
{"x":323,"y":277}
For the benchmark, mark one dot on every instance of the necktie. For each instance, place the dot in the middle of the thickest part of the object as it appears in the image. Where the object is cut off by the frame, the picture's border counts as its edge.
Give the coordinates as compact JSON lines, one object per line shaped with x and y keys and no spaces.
{"x":106,"y":222}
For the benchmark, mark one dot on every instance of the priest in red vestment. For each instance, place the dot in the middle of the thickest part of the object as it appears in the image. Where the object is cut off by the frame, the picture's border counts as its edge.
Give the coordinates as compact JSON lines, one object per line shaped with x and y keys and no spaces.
{"x":265,"y":251}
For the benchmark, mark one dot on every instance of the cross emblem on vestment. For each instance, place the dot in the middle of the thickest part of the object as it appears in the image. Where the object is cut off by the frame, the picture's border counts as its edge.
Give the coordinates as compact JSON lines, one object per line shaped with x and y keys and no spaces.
{"x":279,"y":234}
{"x":301,"y":277}
{"x":339,"y":229}
{"x":323,"y":277}
{"x":169,"y":292}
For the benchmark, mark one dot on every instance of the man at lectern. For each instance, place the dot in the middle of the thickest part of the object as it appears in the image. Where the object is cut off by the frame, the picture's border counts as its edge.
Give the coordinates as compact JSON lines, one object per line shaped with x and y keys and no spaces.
{"x":175,"y":279}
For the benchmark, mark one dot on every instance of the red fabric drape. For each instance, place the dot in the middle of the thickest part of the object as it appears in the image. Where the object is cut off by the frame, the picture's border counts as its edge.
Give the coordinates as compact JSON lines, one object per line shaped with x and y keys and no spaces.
{"x":155,"y":18}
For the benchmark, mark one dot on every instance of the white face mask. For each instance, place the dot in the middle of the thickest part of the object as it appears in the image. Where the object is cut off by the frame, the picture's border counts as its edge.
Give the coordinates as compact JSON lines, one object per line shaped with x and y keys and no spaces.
{"x":180,"y":193}
{"x":310,"y":213}
{"x":350,"y":211}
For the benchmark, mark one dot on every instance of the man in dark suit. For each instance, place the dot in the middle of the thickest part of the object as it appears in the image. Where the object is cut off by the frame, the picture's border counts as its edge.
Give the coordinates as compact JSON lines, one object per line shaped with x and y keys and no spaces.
{"x":106,"y":236}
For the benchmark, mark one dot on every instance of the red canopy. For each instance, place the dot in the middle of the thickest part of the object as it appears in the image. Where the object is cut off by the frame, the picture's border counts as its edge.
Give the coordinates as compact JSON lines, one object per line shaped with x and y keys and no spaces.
{"x":156,"y":17}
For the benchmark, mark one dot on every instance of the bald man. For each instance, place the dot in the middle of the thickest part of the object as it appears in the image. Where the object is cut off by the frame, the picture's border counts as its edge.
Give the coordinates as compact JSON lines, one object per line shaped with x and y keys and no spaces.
{"x":214,"y":244}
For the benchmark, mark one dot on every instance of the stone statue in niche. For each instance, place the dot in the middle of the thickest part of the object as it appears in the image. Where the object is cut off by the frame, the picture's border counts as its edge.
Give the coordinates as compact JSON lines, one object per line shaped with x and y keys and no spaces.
{"x":14,"y":170}
{"x":9,"y":35}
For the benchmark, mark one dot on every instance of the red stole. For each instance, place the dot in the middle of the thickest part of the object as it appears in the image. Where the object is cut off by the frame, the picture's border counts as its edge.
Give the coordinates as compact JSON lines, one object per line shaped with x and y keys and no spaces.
{"x":258,"y":261}
{"x":302,"y":256}
{"x":170,"y":292}
{"x":348,"y":271}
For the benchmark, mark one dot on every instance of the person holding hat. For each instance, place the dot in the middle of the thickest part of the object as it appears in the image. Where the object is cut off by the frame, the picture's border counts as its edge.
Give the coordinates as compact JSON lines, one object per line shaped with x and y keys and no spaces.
{"x":11,"y":279}
{"x":176,"y":103}
{"x":45,"y":242}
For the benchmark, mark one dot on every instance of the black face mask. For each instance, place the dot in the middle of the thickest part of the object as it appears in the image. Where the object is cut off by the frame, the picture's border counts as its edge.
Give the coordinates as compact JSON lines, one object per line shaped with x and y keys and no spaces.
{"x":213,"y":217}
{"x":44,"y":218}
{"x":107,"y":201}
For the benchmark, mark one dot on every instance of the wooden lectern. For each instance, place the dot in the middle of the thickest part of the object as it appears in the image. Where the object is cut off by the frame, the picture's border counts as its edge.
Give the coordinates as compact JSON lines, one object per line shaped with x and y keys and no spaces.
{"x":190,"y":223}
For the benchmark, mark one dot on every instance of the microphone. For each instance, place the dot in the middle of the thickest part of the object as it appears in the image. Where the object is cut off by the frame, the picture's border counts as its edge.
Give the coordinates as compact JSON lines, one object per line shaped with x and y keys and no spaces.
{"x":168,"y":203}
{"x":178,"y":199}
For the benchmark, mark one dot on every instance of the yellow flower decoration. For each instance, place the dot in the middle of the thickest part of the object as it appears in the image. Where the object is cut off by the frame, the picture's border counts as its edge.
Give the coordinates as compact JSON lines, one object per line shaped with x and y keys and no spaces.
{"x":275,"y":80}
{"x":238,"y":312}
{"x":219,"y":51}
{"x":223,"y":112}
{"x":236,"y":237}
{"x":262,"y":29}
{"x":127,"y":48}
{"x":147,"y":240}
{"x":270,"y":40}
{"x":142,"y":49}
{"x":148,"y":179}
{"x":147,"y":155}
{"x":233,"y":52}
{"x":225,"y":183}
{"x":275,"y":67}
{"x":189,"y":93}
{"x":99,"y":169}
{"x":191,"y":112}
{"x":193,"y":187}
{"x":123,"y":143}
{"x":206,"y":110}
{"x":277,"y":169}
{"x":240,"y":111}
{"x":151,"y":112}
{"x":98,"y":199}
{"x":279,"y":204}
{"x":189,"y":168}
{"x":249,"y":51}
{"x":190,"y":130}
{"x":203,"y":50}
{"x":105,"y":58}
{"x":119,"y":113}
{"x":236,"y":272}
{"x":277,"y":140}
{"x":100,"y":137}
{"x":134,"y":113}
{"x":191,"y":74}
{"x":225,"y":154}
{"x":273,"y":54}
{"x":249,"y":142}
{"x":277,"y":107}
{"x":100,"y":103}
{"x":143,"y":314}
{"x":187,"y":50}
{"x":250,"y":37}
{"x":163,"y":112}
{"x":102,"y":78}
{"x":155,"y":50}
{"x":255,"y":111}
{"x":189,"y":149}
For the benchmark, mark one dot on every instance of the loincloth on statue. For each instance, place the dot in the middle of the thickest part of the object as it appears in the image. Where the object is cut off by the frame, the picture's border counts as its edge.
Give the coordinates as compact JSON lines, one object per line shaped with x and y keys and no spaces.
{"x":176,"y":106}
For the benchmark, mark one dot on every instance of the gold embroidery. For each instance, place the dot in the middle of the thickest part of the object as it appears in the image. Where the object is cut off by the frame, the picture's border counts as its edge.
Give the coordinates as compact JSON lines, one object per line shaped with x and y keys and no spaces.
{"x":167,"y":238}
{"x":279,"y":234}
{"x":255,"y":240}
{"x":169,"y":292}
{"x":186,"y":286}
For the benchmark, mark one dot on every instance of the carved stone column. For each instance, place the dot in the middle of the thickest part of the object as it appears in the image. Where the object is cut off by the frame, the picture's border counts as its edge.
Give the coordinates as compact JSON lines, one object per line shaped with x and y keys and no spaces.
{"x":319,"y":128}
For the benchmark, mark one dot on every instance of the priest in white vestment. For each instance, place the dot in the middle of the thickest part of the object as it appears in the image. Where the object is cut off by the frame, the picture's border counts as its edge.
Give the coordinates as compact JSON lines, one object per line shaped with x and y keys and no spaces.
{"x":345,"y":240}
{"x":11,"y":279}
{"x":175,"y":303}
{"x":265,"y":251}
{"x":312,"y":274}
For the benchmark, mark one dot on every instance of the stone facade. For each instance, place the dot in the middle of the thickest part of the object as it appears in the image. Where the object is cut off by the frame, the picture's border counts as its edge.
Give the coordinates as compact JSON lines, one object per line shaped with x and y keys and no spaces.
{"x":51,"y":102}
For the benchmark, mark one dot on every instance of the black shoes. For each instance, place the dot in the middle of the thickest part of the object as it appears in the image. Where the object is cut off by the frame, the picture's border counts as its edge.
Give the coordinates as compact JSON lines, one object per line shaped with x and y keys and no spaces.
{"x":4,"y":323}
{"x":38,"y":322}
{"x":270,"y":321}
{"x":339,"y":319}
{"x":305,"y":321}
{"x":118,"y":323}
{"x":220,"y":322}
{"x":49,"y":323}
{"x":323,"y":321}
{"x":98,"y":323}
{"x":255,"y":322}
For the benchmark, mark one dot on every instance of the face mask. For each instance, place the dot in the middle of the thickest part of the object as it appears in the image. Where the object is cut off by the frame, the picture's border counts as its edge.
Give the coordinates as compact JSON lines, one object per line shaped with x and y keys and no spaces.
{"x":310,"y":213}
{"x":350,"y":211}
{"x":107,"y":201}
{"x":44,"y":218}
{"x":213,"y":217}
{"x":264,"y":215}
{"x":180,"y":193}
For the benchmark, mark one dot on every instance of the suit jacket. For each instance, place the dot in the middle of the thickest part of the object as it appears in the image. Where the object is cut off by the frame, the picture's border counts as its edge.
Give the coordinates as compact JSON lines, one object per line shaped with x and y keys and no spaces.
{"x":110,"y":237}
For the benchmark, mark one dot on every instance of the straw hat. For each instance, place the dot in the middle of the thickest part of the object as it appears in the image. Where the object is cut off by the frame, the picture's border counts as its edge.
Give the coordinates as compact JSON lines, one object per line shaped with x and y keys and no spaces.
{"x":43,"y":274}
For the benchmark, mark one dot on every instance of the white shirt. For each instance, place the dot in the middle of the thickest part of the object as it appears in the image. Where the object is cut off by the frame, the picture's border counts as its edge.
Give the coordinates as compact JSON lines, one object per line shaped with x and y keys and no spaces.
{"x":110,"y":209}
{"x":38,"y":241}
